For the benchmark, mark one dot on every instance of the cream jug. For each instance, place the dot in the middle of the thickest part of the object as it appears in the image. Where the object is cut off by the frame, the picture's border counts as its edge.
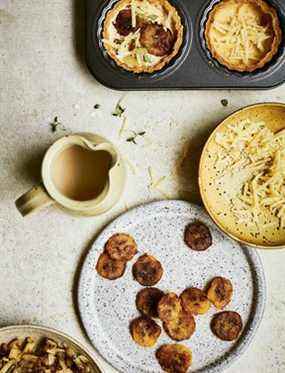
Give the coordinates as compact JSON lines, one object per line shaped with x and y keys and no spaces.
{"x":69,"y":167}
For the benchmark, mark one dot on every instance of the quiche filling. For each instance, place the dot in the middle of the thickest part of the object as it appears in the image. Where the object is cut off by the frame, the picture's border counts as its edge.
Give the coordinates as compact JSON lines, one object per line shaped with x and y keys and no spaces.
{"x":243,"y":34}
{"x":142,"y":35}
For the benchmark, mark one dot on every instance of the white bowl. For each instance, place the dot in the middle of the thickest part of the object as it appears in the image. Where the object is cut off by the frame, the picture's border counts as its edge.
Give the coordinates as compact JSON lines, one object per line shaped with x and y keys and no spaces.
{"x":20,"y":331}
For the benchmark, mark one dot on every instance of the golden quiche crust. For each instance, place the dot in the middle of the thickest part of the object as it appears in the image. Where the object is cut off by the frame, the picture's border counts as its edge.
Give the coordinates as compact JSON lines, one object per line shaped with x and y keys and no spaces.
{"x":162,"y":61}
{"x":252,"y":24}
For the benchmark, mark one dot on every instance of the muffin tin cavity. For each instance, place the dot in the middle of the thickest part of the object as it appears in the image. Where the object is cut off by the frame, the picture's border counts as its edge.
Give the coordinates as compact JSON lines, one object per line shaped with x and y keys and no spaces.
{"x":270,"y":68}
{"x":165,"y":71}
{"x":192,"y":68}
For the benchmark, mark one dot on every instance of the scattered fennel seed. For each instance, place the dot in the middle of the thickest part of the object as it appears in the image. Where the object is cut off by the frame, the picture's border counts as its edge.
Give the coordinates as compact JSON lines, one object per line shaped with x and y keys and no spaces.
{"x":136,"y":134}
{"x":55,"y":125}
{"x":119,"y":110}
{"x":224,"y":102}
{"x":131,"y":139}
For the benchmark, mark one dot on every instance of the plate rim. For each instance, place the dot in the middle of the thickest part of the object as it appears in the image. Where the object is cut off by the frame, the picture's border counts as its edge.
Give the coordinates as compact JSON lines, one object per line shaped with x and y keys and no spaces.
{"x":258,"y":278}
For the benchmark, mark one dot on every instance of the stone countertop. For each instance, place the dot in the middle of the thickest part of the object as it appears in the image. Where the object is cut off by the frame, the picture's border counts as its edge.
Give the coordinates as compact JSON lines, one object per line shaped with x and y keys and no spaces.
{"x":43,"y":75}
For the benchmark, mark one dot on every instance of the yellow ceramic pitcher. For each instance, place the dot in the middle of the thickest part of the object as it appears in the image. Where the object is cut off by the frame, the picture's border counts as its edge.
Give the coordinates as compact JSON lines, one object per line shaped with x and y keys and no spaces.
{"x":47,"y":193}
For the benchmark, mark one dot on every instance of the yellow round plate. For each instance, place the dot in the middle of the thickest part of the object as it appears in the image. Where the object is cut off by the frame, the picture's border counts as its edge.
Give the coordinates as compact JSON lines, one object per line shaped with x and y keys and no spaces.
{"x":273,"y":114}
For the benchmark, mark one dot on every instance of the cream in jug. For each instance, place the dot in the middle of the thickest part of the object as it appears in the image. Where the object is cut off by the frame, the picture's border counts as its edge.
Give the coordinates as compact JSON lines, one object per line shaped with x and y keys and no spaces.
{"x":83,"y":173}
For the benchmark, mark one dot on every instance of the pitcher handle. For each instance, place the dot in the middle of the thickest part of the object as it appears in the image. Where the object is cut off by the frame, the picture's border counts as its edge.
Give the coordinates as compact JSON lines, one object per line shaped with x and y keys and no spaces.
{"x":33,"y":200}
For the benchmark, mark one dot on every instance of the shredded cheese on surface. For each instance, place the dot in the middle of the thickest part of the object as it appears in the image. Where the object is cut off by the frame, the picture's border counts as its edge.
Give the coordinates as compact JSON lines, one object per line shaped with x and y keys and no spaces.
{"x":124,"y":126}
{"x":131,"y":165}
{"x":240,"y":38}
{"x":151,"y":12}
{"x":156,"y":183}
{"x":250,"y":167}
{"x":133,"y":11}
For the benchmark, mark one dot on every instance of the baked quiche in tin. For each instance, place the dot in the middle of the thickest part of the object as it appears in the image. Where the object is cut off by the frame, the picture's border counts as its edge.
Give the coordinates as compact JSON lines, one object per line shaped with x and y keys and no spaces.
{"x":243,"y":35}
{"x":142,"y":36}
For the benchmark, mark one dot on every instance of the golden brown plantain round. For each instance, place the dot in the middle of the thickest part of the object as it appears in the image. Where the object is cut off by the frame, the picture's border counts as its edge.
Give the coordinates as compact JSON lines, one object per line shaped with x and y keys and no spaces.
{"x":181,"y":327}
{"x":147,"y":301}
{"x":197,"y":236}
{"x":227,"y":325}
{"x":147,"y":270}
{"x":169,"y":307}
{"x":123,"y":22}
{"x":109,"y":268}
{"x":121,"y":246}
{"x":195,"y":301}
{"x":156,"y":39}
{"x":220,"y":292}
{"x":145,"y":331}
{"x":174,"y":358}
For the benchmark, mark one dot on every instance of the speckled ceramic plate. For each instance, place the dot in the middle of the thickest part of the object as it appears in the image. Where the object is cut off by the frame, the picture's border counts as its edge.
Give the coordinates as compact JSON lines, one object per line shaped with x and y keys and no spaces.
{"x":107,"y":307}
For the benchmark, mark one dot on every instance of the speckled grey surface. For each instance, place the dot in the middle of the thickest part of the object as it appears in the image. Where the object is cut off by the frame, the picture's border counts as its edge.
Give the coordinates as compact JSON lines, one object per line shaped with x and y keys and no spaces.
{"x":42,"y":75}
{"x":107,"y":307}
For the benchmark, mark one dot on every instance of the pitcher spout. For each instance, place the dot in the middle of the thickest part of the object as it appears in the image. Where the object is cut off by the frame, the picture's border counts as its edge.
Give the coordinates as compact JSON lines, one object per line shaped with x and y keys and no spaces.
{"x":104,"y":146}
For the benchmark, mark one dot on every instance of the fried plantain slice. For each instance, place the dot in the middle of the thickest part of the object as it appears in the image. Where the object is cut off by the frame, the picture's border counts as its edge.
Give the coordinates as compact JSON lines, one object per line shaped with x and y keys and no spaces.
{"x":195,"y":301}
{"x":109,"y":268}
{"x":147,"y":301}
{"x":197,"y":236}
{"x":220,"y":292}
{"x":123,"y":22}
{"x":147,"y":270}
{"x":174,"y":358}
{"x":145,"y":331}
{"x":169,"y":307}
{"x":156,"y":39}
{"x":226,"y":325}
{"x":182,"y":327}
{"x":121,"y":246}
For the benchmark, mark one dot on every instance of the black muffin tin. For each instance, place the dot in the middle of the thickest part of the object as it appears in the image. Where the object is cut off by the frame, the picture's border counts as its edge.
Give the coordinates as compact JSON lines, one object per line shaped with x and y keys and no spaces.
{"x":192,"y":68}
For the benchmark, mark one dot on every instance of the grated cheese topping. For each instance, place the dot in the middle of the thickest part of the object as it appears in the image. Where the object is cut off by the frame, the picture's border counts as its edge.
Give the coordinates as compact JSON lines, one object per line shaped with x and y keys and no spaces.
{"x":251,"y":169}
{"x":133,"y":11}
{"x":156,"y":183}
{"x":241,"y":37}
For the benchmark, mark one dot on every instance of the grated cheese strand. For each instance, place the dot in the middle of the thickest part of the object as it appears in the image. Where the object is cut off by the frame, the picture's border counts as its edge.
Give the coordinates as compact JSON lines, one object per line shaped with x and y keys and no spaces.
{"x":241,"y":38}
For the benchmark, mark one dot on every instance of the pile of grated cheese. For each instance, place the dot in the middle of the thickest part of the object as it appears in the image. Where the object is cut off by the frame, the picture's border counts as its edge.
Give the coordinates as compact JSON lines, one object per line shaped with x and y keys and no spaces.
{"x":250,"y":168}
{"x":241,"y":38}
